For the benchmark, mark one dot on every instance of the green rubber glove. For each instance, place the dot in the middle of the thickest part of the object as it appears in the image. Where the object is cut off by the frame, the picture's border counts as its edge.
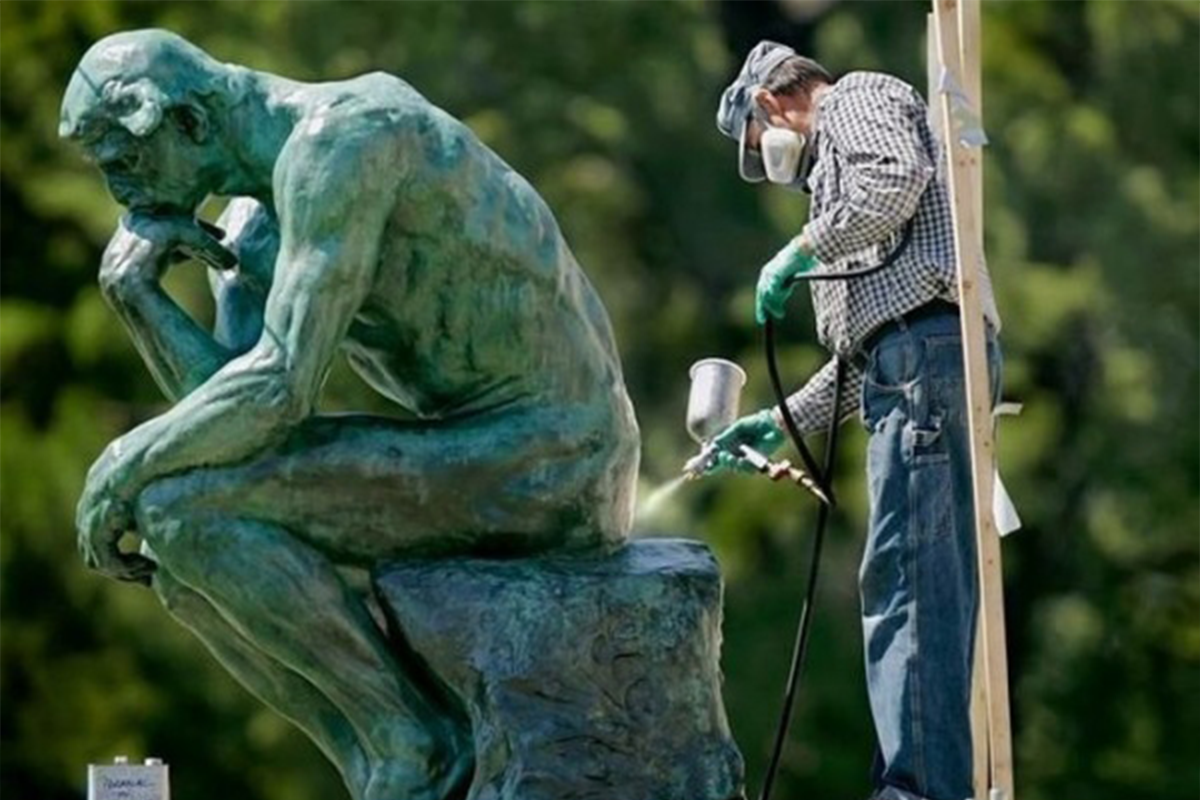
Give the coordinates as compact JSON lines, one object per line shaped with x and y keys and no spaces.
{"x":758,"y":431}
{"x":773,"y":288}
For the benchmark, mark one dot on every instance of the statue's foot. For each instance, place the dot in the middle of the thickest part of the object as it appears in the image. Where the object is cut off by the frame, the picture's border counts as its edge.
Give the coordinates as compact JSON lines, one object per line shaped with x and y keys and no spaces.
{"x":395,"y":780}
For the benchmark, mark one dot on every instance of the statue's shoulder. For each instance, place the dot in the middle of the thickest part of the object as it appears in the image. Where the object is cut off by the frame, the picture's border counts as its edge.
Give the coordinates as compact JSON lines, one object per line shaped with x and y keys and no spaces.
{"x":360,"y":123}
{"x":357,"y":110}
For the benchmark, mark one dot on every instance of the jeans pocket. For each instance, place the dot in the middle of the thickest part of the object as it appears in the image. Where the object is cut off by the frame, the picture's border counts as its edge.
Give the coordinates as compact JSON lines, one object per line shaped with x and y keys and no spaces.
{"x":878,"y":404}
{"x":894,"y":363}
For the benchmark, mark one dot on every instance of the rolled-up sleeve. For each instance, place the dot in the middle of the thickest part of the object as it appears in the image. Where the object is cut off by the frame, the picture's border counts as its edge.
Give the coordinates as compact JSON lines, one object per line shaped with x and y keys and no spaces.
{"x":885,"y":169}
{"x":812,"y":406}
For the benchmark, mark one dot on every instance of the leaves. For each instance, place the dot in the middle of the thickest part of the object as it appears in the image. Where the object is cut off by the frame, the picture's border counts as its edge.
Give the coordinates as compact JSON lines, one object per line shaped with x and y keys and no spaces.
{"x":1093,"y":226}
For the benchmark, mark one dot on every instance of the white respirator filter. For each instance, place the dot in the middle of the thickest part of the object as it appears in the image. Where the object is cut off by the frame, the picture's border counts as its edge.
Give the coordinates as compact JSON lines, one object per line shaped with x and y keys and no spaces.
{"x":781,"y":150}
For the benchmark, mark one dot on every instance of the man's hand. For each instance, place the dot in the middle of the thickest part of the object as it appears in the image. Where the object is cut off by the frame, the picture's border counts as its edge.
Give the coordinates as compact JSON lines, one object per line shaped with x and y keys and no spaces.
{"x":144,"y":245}
{"x":757,"y":431}
{"x":773,"y":287}
{"x":102,"y":518}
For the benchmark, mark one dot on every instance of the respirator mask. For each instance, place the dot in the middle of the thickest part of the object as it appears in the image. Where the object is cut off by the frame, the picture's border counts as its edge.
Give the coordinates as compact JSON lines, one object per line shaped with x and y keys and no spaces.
{"x":782,"y":152}
{"x":785,"y":154}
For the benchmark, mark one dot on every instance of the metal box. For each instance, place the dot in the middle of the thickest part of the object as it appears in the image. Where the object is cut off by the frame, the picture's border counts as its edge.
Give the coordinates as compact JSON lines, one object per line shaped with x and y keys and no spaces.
{"x":121,"y":780}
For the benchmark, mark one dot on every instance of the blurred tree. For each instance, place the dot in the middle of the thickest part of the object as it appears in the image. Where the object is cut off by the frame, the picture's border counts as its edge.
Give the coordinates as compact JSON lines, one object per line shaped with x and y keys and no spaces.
{"x":1093,"y":225}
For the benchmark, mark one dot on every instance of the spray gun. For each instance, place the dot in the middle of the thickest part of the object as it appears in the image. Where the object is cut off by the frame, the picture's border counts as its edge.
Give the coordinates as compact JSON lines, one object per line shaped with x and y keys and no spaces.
{"x":712,"y":407}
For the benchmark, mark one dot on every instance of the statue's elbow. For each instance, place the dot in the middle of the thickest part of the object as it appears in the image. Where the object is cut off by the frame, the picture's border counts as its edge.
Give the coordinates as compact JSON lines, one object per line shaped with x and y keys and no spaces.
{"x":281,"y":401}
{"x":293,"y":406}
{"x":270,"y":385}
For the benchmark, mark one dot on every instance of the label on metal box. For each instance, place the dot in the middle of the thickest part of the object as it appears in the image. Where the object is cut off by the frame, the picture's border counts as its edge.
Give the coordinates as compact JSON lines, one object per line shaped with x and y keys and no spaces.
{"x":128,"y":782}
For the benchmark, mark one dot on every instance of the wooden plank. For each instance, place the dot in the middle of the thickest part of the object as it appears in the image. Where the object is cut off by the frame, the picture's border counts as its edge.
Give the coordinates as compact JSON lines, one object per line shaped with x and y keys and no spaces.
{"x":971,"y":78}
{"x":980,"y":735}
{"x":933,"y":69}
{"x":970,"y":56}
{"x":968,"y":239}
{"x":979,"y":726}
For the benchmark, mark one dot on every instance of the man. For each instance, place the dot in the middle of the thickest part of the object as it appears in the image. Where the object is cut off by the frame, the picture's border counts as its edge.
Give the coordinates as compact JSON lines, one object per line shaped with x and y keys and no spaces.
{"x":872,"y":156}
{"x":370,"y":222}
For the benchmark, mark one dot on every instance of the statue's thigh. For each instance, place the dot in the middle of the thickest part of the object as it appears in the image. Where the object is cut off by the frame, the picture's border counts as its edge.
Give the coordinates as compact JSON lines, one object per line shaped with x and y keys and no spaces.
{"x":361,"y":488}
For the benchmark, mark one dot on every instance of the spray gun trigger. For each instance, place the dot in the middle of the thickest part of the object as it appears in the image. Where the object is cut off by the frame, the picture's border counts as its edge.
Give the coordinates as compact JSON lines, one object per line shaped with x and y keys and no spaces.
{"x":756,"y":459}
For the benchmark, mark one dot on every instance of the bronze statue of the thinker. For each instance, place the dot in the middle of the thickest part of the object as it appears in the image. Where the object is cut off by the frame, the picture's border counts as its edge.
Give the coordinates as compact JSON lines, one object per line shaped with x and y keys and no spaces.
{"x":369,"y":222}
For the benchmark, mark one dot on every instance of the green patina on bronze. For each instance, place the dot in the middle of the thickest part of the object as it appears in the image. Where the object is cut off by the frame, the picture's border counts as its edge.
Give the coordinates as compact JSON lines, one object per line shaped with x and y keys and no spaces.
{"x":368,"y":222}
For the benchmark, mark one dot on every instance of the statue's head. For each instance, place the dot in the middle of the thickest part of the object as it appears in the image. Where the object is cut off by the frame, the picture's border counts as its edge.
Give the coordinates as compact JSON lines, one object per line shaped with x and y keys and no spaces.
{"x":141,"y":105}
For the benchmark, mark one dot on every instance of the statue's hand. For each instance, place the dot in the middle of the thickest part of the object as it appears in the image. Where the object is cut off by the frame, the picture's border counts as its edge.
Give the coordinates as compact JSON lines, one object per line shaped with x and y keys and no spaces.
{"x":102,"y":518}
{"x":142,"y":248}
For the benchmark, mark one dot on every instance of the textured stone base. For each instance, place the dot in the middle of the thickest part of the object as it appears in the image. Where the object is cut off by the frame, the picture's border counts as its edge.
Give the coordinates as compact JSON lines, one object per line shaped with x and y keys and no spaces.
{"x":590,"y":678}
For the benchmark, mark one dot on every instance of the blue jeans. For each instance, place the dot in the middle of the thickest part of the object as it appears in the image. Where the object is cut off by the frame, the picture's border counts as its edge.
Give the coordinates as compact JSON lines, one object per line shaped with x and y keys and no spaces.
{"x":918,"y":580}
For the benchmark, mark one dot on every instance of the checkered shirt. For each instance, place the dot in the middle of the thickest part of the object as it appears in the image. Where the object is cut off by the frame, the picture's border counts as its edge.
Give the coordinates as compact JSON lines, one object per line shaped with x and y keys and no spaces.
{"x":877,"y":167}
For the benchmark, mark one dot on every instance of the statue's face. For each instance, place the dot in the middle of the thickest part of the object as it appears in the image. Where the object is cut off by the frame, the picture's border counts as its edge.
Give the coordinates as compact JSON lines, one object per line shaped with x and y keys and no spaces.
{"x":159,"y":172}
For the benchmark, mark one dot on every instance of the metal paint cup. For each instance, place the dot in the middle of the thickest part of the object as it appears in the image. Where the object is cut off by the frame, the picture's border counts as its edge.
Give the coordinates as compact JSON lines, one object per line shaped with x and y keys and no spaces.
{"x":713,"y":401}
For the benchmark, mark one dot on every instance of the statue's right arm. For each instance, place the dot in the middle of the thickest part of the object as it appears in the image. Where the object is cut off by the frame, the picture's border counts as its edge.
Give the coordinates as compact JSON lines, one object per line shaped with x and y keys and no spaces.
{"x":179,"y":353}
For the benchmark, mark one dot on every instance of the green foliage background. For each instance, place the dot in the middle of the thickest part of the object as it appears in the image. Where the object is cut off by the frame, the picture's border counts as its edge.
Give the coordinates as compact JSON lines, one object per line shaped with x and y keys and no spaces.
{"x":1093,"y":237}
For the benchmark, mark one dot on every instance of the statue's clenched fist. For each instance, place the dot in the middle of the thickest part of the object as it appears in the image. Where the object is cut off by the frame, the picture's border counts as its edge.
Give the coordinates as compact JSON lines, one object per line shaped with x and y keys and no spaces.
{"x":101,"y":519}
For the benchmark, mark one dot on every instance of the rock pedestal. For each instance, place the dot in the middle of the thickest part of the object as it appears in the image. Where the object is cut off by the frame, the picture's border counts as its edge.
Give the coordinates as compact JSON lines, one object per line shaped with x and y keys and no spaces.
{"x":585,"y":677}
